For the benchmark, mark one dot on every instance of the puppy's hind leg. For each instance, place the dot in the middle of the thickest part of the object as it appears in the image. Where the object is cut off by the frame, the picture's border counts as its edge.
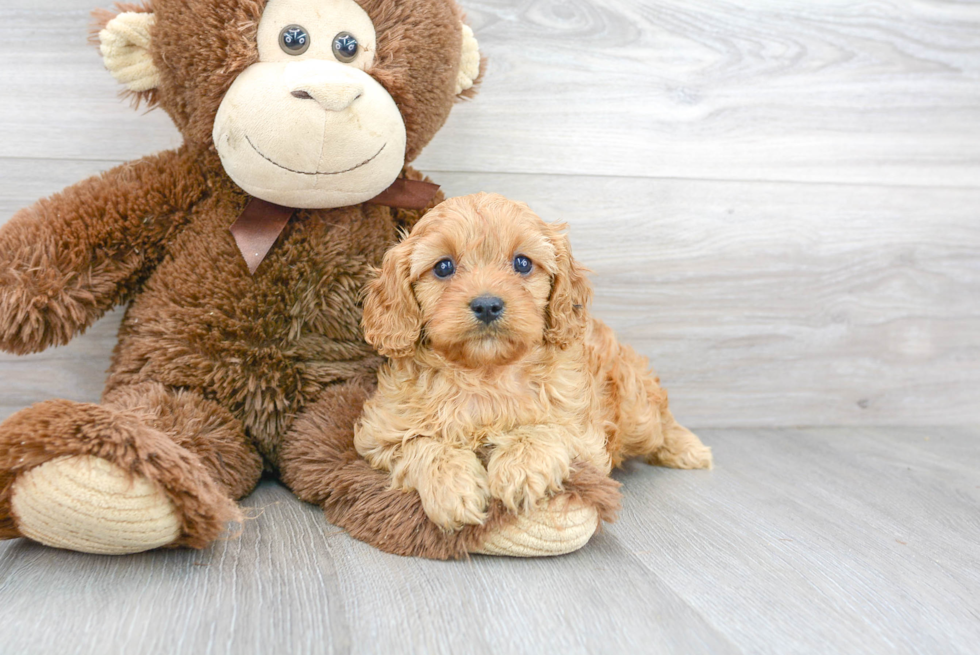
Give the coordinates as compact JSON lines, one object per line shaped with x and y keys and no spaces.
{"x":644,"y":425}
{"x":681,"y":448}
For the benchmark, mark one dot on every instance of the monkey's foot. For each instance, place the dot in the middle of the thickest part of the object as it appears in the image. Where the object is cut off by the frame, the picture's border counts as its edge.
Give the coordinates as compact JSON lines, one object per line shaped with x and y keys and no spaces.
{"x":98,"y":479}
{"x":561,"y":527}
{"x":88,"y":504}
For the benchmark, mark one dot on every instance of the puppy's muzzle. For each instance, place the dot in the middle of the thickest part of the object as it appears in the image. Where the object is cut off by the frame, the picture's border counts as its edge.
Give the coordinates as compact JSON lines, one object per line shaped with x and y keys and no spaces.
{"x":487,"y":308}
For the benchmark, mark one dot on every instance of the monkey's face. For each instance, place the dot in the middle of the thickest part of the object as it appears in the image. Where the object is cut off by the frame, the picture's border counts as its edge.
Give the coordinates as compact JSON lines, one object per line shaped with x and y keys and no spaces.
{"x":306,"y":125}
{"x":308,"y":103}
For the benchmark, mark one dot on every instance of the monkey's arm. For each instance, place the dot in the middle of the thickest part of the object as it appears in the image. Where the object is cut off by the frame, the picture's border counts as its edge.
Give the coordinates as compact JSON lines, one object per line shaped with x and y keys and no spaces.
{"x":67,"y":259}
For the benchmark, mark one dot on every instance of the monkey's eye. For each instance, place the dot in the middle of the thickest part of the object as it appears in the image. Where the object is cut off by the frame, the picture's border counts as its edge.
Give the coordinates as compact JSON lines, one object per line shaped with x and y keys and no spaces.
{"x":444,"y":268}
{"x":294,"y":40}
{"x":522,"y":264}
{"x":345,"y":47}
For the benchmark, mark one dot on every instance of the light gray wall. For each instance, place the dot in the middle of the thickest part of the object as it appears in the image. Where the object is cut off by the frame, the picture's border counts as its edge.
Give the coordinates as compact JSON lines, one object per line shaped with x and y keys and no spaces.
{"x":780,"y":203}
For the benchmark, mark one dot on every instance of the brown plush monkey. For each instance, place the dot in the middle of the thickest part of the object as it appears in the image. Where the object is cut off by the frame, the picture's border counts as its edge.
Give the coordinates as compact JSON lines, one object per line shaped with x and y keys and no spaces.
{"x":242,"y":256}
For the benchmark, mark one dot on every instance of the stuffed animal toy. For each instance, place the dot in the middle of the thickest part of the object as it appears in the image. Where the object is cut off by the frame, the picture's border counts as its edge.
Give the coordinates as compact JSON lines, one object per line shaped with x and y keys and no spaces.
{"x":499,"y":380}
{"x":242,"y":256}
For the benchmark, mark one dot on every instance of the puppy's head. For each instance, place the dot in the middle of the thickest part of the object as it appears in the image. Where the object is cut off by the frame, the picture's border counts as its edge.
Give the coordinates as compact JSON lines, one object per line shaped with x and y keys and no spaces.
{"x":481,"y":280}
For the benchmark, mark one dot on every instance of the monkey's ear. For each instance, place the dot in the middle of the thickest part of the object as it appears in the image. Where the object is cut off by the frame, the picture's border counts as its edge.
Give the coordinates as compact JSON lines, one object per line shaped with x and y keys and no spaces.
{"x":470,"y":62}
{"x":125,"y":46}
{"x":392,"y":319}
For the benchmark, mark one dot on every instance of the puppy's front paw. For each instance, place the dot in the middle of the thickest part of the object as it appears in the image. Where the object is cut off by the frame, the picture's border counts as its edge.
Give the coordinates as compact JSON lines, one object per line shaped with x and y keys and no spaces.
{"x":525,"y":474}
{"x":456,"y":491}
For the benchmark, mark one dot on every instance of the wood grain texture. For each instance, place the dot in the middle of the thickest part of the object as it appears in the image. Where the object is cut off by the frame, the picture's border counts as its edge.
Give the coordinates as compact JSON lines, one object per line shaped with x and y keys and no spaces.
{"x":857,"y":540}
{"x":274,"y":588}
{"x":759,"y":304}
{"x":829,"y":540}
{"x":837,"y":91}
{"x":883,"y":92}
{"x":58,"y":101}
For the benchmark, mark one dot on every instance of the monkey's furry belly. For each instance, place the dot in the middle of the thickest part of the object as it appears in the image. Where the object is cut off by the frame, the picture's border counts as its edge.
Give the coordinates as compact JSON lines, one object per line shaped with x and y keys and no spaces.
{"x":264,"y":347}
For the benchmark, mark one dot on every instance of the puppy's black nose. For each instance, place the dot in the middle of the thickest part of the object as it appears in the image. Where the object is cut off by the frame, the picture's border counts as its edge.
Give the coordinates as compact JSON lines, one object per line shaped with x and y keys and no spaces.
{"x":487,"y":308}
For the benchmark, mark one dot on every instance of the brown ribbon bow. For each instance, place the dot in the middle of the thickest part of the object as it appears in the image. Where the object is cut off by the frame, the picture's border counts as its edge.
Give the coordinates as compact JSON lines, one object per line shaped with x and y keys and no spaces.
{"x":261,"y":222}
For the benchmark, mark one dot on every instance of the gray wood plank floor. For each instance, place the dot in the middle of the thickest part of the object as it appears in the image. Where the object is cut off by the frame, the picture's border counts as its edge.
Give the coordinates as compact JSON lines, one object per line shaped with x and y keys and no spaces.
{"x":858,"y":540}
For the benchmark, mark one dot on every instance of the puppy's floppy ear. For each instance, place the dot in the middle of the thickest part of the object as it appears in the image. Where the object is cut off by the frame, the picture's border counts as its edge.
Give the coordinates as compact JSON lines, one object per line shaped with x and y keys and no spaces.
{"x":571,"y":293}
{"x":392,"y":318}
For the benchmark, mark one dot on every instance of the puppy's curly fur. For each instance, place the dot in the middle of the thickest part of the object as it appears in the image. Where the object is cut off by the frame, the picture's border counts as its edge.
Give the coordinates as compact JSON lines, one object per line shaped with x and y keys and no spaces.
{"x":469,"y":409}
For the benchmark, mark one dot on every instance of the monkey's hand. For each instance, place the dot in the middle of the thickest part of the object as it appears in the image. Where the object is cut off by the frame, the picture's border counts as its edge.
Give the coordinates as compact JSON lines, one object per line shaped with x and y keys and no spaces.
{"x":68,"y":259}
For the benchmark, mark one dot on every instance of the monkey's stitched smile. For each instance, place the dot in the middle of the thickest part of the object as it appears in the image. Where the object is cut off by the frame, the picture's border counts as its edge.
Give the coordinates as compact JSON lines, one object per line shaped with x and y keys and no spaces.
{"x":292,"y":170}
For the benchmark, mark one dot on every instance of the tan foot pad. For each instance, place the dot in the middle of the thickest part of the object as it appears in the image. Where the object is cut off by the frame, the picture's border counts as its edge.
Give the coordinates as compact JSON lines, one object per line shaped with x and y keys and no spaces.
{"x":556,"y":530}
{"x":87,"y":504}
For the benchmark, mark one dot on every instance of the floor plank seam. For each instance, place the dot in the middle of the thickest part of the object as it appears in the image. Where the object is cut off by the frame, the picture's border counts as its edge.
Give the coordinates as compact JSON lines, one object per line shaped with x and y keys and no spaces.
{"x":598,"y":175}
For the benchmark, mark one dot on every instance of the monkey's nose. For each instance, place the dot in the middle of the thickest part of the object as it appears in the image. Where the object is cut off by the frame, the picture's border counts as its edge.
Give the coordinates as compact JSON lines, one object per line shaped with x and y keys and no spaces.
{"x":487,"y":308}
{"x":332,"y":96}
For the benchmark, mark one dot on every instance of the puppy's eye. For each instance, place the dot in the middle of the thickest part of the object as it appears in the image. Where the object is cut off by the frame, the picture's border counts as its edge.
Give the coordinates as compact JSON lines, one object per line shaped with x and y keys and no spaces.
{"x":444,"y":268}
{"x":522,"y":264}
{"x":345,"y":47}
{"x":294,"y":40}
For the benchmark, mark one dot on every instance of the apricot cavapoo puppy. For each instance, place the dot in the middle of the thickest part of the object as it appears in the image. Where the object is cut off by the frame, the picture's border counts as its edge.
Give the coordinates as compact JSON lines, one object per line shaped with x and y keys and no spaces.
{"x":498,"y":378}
